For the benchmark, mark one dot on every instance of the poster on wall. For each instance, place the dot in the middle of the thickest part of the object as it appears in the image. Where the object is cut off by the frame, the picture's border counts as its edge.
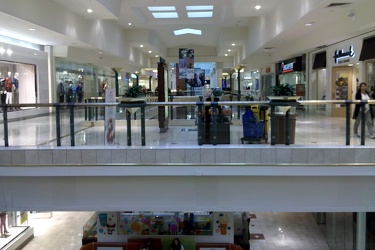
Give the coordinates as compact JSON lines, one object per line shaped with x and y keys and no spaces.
{"x":198,"y":78}
{"x":107,"y":226}
{"x":223,"y":227}
{"x":186,"y":61}
{"x":110,"y":117}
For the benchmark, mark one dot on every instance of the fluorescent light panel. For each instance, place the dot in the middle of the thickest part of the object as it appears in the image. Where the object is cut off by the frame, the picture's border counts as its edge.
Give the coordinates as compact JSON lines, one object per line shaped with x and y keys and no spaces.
{"x":162,"y":8}
{"x":165,"y":14}
{"x":187,"y":31}
{"x":202,"y":7}
{"x":200,"y":14}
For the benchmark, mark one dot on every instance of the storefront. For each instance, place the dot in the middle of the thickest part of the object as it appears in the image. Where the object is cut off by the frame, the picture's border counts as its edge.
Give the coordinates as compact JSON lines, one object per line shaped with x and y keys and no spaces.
{"x":23,"y":75}
{"x":268,"y":80}
{"x":318,"y":86}
{"x":368,"y":57}
{"x":251,"y":84}
{"x":293,"y":72}
{"x":77,"y":81}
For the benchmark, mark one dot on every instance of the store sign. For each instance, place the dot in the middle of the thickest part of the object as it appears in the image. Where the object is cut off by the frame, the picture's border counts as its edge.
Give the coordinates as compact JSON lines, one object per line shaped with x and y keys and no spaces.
{"x":287,"y":67}
{"x":268,"y":70}
{"x":341,"y":54}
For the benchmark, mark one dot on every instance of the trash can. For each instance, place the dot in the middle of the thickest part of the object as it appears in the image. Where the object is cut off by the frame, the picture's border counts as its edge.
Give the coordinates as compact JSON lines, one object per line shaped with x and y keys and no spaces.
{"x":280,"y":126}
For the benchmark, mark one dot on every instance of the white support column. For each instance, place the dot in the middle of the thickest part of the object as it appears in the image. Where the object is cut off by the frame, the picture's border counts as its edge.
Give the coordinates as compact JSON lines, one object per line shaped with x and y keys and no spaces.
{"x":361,"y":231}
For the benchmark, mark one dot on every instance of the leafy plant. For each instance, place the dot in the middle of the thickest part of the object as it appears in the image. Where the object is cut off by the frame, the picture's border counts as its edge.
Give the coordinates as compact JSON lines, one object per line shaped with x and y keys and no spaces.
{"x":135,"y":91}
{"x":283,"y":90}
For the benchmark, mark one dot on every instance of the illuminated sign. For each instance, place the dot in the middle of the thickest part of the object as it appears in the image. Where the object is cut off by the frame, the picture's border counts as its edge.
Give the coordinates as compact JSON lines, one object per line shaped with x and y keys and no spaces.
{"x":341,"y":54}
{"x":287,"y":67}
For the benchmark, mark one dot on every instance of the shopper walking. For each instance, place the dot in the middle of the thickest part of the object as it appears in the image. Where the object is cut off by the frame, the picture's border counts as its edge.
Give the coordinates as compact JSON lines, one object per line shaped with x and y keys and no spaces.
{"x":363,"y":94}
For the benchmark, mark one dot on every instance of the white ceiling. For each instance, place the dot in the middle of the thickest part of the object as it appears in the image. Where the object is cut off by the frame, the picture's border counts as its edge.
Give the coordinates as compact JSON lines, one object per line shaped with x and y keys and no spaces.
{"x":231,"y":18}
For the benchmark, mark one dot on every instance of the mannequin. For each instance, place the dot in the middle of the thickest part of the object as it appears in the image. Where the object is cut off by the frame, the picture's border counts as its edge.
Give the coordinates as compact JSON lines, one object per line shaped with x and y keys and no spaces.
{"x":61,"y":92}
{"x":3,"y":226}
{"x":16,"y":94}
{"x":9,"y":89}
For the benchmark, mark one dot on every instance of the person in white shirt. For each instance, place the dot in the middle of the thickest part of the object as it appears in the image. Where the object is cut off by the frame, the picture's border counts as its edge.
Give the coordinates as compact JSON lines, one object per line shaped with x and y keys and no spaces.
{"x":363,"y":94}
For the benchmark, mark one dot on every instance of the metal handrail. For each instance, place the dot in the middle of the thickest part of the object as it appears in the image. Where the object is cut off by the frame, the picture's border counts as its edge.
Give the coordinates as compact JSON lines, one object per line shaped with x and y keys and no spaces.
{"x":199,"y":104}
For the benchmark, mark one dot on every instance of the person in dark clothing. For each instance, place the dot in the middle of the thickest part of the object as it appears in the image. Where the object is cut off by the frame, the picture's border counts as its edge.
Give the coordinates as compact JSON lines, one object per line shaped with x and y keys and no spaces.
{"x":363,"y":94}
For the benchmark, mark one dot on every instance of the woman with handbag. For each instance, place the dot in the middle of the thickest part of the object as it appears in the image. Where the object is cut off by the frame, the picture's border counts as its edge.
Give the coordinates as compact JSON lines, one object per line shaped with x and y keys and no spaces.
{"x":363,"y":94}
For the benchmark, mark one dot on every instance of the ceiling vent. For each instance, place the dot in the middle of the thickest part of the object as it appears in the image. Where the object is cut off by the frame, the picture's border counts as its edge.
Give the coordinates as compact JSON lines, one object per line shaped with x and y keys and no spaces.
{"x":337,"y":5}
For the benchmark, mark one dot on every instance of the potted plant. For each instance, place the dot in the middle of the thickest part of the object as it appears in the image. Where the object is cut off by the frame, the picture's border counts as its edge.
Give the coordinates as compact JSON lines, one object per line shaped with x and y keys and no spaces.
{"x":283,"y":91}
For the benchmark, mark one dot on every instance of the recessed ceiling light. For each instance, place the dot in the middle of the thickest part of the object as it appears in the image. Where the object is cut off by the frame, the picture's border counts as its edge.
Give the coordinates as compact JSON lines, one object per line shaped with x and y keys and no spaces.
{"x":226,"y":54}
{"x":233,"y":44}
{"x":141,"y":45}
{"x":162,"y":8}
{"x":165,"y":14}
{"x":149,"y":51}
{"x":129,"y":24}
{"x":157,"y":56}
{"x":350,"y":64}
{"x":201,"y":14}
{"x":309,"y":24}
{"x":89,"y":10}
{"x":257,"y":7}
{"x":187,"y":31}
{"x":202,"y":7}
{"x":229,"y":50}
{"x":32,"y":29}
{"x":100,"y":52}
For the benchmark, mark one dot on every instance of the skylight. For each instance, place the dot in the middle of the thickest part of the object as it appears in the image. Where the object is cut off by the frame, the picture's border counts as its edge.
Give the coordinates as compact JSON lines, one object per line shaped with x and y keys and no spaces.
{"x":187,"y":31}
{"x":203,"y":14}
{"x":162,"y":8}
{"x":202,"y":7}
{"x":165,"y":14}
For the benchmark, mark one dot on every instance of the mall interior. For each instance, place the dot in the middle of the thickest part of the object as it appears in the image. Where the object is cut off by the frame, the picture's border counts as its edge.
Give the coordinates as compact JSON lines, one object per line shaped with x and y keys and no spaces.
{"x":178,"y":80}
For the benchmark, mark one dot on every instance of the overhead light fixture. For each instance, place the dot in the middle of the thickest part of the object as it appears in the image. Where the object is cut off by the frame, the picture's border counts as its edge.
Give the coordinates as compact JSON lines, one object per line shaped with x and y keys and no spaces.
{"x":2,"y":50}
{"x":157,"y":56}
{"x":129,"y":24}
{"x":9,"y":52}
{"x":89,"y":10}
{"x":350,"y":64}
{"x":226,"y":54}
{"x":100,"y":52}
{"x":141,"y":45}
{"x":203,"y":14}
{"x":35,"y":54}
{"x":162,"y":8}
{"x":257,"y":7}
{"x":149,"y":51}
{"x":309,"y":24}
{"x":199,"y":8}
{"x":229,"y":50}
{"x":32,"y":29}
{"x":165,"y":14}
{"x":187,"y":31}
{"x":233,"y":44}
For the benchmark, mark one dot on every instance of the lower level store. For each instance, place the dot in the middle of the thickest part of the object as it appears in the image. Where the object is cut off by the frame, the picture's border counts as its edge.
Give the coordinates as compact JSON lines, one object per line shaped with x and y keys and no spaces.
{"x":65,"y":230}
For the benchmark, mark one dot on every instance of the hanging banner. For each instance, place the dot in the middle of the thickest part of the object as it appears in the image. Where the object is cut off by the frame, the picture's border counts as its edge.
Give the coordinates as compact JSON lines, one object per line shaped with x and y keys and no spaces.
{"x":186,"y":61}
{"x":110,"y":117}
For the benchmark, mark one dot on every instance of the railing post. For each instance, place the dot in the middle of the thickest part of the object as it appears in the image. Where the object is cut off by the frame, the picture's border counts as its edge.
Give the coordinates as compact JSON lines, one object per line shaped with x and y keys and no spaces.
{"x":58,"y":125}
{"x":273,"y":125}
{"x":214,"y":124}
{"x":6,"y":134}
{"x":143,"y":125}
{"x":363,"y":123}
{"x":347,"y":120}
{"x":200,"y":124}
{"x":128,"y":127}
{"x":287,"y":124}
{"x":96,"y":109}
{"x":231,"y":107}
{"x":72,"y":139}
{"x":86,"y":110}
{"x":171,"y":99}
